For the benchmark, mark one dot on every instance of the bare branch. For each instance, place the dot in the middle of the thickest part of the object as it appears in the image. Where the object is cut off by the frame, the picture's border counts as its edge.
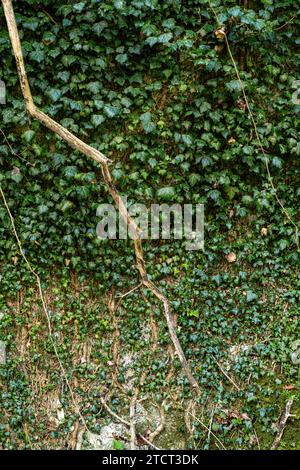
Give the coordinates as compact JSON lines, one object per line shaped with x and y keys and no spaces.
{"x":282,"y":423}
{"x":54,"y":126}
{"x":89,"y":151}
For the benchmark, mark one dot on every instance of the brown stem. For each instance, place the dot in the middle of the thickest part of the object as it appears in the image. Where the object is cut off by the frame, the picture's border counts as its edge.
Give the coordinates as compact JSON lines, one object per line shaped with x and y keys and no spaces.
{"x":282,"y":423}
{"x":89,"y":151}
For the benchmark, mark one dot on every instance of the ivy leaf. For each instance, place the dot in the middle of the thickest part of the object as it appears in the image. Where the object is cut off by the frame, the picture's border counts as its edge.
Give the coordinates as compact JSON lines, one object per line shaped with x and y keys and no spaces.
{"x":54,"y":94}
{"x":64,"y":76}
{"x":16,"y":175}
{"x":37,"y":55}
{"x":187,"y":139}
{"x":66,"y":205}
{"x":234,"y":85}
{"x":78,"y":7}
{"x":152,"y":162}
{"x":206,"y":161}
{"x":126,"y":102}
{"x":283,"y":244}
{"x":94,"y":87}
{"x":205,"y":107}
{"x":43,"y":208}
{"x":49,"y":37}
{"x":151,"y":41}
{"x":194,"y":178}
{"x":296,"y":149}
{"x":165,"y":38}
{"x":169,"y":23}
{"x":68,"y":60}
{"x":28,"y":136}
{"x":70,"y":171}
{"x":118,"y":445}
{"x":30,"y":23}
{"x":277,"y":162}
{"x":122,"y":58}
{"x":146,"y":120}
{"x":250,"y":296}
{"x":97,"y":119}
{"x":117,"y":173}
{"x":119,"y":4}
{"x":235,"y":11}
{"x":99,"y":27}
{"x":111,"y":111}
{"x":101,"y":63}
{"x":166,"y":194}
{"x":214,"y":194}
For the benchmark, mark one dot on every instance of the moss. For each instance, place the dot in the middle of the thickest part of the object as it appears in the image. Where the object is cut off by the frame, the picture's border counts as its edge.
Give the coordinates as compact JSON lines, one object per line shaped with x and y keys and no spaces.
{"x":174,"y":435}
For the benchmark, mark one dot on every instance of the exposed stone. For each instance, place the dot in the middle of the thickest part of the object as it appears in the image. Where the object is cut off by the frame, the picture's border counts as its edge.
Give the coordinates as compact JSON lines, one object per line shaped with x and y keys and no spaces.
{"x":128,"y":362}
{"x":295,"y":353}
{"x":108,"y":434}
{"x":146,"y":419}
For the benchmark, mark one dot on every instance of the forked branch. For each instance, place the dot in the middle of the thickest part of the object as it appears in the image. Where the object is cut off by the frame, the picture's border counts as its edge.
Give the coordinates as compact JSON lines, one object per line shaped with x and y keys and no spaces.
{"x":91,"y":152}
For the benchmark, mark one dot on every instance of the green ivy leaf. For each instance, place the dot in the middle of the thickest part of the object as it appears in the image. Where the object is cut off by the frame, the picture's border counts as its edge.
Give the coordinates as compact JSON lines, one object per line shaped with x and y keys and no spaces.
{"x":37,"y":55}
{"x":164,"y":38}
{"x":146,"y":120}
{"x":250,"y":296}
{"x":122,"y":58}
{"x":54,"y":94}
{"x":234,"y":85}
{"x":111,"y":111}
{"x":151,"y":41}
{"x":166,"y":194}
{"x":94,"y":87}
{"x":118,"y":445}
{"x":277,"y":162}
{"x":97,"y":119}
{"x":28,"y":136}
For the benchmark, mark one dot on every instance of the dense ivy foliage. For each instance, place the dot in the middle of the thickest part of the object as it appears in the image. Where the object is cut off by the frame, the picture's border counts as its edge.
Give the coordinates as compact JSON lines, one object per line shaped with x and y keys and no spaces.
{"x":148,"y":83}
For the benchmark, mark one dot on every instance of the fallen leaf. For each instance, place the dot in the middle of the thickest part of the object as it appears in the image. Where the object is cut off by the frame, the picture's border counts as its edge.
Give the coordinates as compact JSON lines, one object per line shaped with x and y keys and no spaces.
{"x":236,"y":414}
{"x":241,"y":104}
{"x":231,"y":257}
{"x":264,"y":232}
{"x":289,"y":387}
{"x":220,"y":33}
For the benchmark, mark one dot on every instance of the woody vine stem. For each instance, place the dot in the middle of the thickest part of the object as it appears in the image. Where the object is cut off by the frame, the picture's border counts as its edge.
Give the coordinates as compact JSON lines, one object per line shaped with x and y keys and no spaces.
{"x":104,"y":162}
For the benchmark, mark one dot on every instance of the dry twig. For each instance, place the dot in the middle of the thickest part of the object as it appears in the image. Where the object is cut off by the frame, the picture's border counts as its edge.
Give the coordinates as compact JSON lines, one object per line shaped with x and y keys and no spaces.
{"x":161,"y":425}
{"x":282,"y":423}
{"x":209,"y":430}
{"x":225,"y":374}
{"x":127,"y":423}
